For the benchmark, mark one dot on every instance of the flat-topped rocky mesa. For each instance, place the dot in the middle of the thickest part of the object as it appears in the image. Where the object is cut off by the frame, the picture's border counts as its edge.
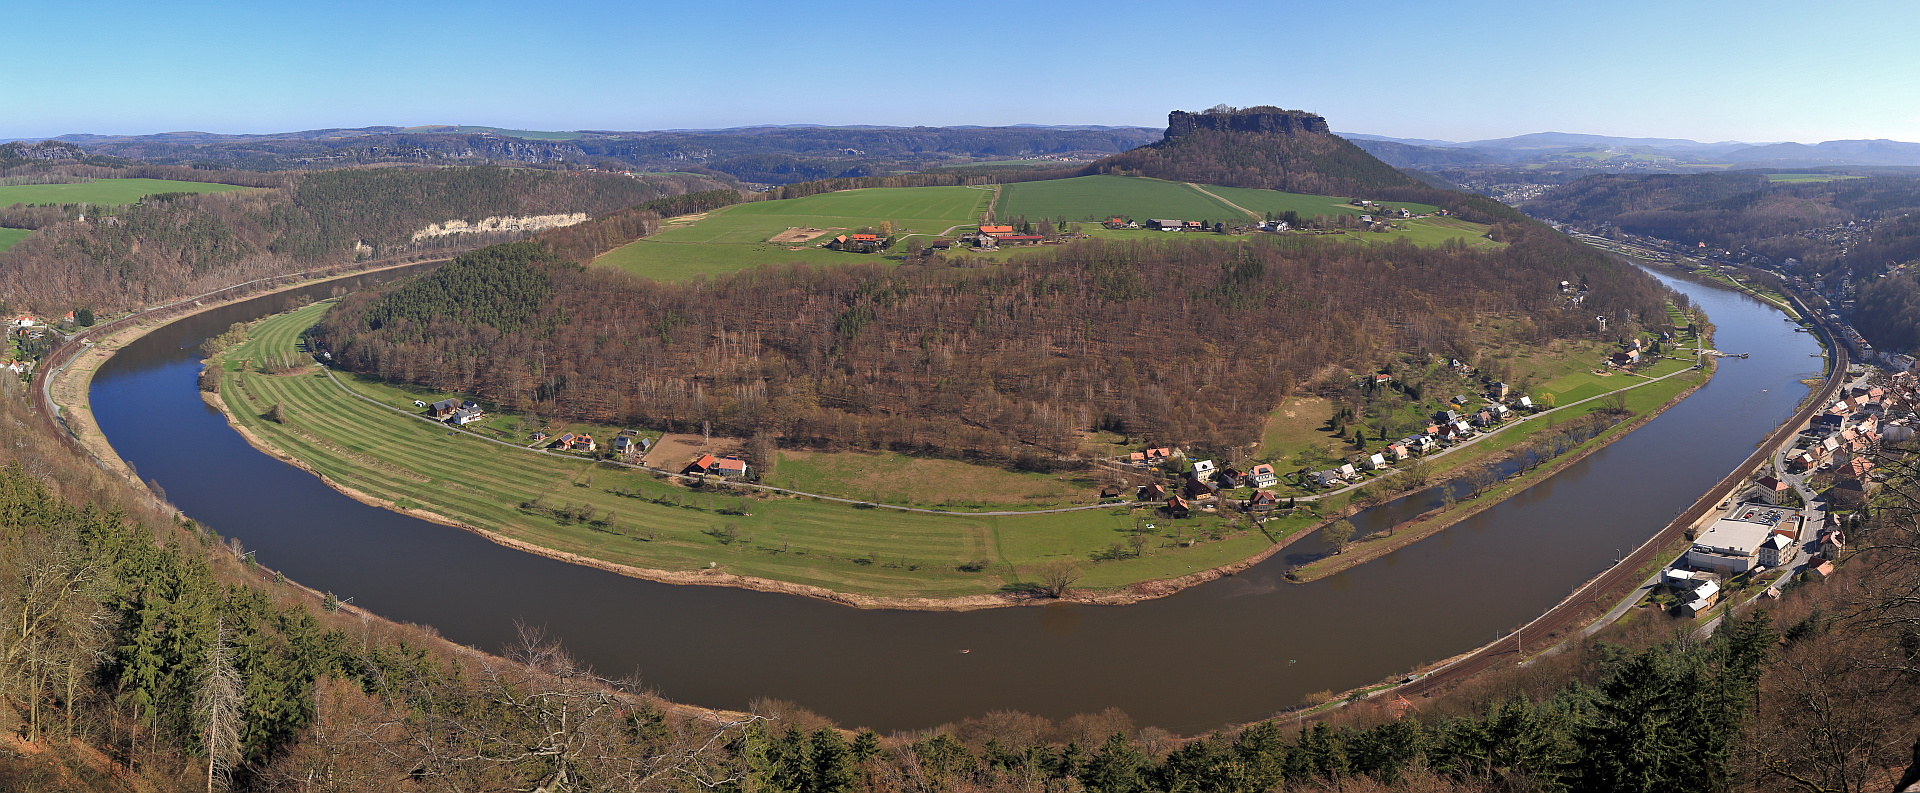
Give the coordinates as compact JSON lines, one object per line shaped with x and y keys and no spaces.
{"x":1253,"y":119}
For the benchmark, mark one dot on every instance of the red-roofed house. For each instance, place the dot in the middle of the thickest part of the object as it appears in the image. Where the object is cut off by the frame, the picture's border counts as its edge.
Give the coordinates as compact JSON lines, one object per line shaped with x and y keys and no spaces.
{"x":731,"y":467}
{"x":701,"y":465}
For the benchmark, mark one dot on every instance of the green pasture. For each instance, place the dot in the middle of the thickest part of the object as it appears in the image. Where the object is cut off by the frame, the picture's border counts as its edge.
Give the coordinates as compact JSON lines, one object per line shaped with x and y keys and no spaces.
{"x":1263,"y":201}
{"x":104,"y":191}
{"x":1800,"y":178}
{"x":1429,"y":232}
{"x":930,"y":482}
{"x":735,"y":237}
{"x":1104,"y":196}
{"x":10,"y":236}
{"x":645,"y":520}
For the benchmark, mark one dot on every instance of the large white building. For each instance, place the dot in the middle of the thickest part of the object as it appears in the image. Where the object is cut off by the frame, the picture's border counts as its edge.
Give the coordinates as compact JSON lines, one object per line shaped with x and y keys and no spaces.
{"x":1732,"y":544}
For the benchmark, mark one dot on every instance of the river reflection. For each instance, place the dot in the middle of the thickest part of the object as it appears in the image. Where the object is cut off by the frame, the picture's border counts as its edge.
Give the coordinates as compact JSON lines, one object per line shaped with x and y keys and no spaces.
{"x":1234,"y":649}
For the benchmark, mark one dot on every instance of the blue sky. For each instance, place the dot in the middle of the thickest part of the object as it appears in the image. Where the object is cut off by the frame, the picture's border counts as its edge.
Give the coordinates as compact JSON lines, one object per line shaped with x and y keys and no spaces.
{"x":1462,"y":70}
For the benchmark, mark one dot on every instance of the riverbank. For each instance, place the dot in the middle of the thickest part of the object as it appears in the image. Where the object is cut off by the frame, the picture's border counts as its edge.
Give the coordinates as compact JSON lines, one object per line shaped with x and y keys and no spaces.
{"x":1435,"y":521}
{"x":703,"y":556}
{"x":72,"y":382}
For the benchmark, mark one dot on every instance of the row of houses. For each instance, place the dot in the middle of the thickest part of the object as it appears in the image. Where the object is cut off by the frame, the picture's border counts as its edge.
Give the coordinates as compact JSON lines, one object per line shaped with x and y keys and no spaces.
{"x":454,"y":411}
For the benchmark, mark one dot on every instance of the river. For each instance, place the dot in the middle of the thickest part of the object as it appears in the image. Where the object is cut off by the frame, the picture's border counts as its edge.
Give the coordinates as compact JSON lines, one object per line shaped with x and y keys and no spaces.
{"x":1236,"y":649}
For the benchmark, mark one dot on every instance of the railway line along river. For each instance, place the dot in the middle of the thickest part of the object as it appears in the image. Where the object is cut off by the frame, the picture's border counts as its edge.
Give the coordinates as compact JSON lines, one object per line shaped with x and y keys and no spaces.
{"x":1232,"y":650}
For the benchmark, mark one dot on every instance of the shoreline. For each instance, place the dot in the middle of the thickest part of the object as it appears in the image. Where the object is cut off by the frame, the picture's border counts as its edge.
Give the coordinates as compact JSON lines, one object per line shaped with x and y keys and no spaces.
{"x":77,"y":379}
{"x":1399,"y":540}
{"x":71,"y":386}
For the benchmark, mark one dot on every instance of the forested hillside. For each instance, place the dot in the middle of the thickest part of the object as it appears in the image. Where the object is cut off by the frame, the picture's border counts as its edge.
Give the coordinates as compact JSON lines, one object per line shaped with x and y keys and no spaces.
{"x":1866,"y":229}
{"x":1178,"y":342}
{"x":1238,"y":150}
{"x":176,"y":245}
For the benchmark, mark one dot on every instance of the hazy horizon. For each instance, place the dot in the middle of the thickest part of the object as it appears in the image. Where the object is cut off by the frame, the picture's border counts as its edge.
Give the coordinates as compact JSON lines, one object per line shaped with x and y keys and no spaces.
{"x":1716,"y":71}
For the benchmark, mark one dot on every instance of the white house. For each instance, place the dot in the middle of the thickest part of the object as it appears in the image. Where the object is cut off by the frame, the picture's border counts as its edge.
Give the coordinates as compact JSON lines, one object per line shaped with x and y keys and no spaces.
{"x":1376,"y":462}
{"x":1776,"y":550}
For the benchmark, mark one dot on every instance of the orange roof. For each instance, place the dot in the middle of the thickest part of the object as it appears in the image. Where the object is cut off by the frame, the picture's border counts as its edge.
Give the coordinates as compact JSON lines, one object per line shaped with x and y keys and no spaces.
{"x":705,"y":461}
{"x":865,"y":237}
{"x":996,"y":229}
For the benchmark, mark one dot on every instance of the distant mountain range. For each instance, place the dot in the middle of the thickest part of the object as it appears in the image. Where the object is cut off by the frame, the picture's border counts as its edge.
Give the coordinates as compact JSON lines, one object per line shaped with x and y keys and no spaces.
{"x":760,"y":154}
{"x":1620,"y":153}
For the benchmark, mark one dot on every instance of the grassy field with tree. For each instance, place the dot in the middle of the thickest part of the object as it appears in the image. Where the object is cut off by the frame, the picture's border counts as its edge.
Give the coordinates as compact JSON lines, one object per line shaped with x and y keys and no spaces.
{"x":104,"y":191}
{"x":736,"y":237}
{"x":642,"y":519}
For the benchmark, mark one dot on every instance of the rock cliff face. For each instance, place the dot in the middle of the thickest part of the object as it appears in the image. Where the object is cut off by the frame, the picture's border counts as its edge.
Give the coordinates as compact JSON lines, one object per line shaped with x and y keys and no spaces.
{"x":1269,"y":120}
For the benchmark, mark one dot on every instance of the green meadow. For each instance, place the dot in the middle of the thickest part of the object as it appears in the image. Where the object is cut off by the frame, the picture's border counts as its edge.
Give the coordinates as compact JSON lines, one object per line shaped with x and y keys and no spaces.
{"x":1139,"y":198}
{"x":642,"y":519}
{"x":1099,"y":197}
{"x":1263,"y":201}
{"x":736,"y":237}
{"x":104,"y":191}
{"x":10,"y":236}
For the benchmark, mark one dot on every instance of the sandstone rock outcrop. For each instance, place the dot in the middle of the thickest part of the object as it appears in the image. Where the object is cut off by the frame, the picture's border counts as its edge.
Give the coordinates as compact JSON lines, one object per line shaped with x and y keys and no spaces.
{"x":1259,"y":119}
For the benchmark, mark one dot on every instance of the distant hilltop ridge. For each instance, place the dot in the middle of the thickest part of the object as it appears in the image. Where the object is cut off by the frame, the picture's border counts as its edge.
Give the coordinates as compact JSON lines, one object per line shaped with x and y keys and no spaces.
{"x":1265,"y":118}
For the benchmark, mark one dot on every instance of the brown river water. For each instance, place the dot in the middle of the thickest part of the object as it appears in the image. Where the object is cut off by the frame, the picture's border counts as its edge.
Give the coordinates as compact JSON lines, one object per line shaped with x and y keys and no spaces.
{"x":1233,"y":650}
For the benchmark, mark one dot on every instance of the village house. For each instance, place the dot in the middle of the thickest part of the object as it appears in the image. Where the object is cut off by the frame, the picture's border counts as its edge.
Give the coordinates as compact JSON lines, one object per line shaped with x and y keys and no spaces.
{"x":731,"y":467}
{"x":1137,"y":458}
{"x":1158,"y":456}
{"x":1347,"y":472}
{"x":1375,"y":462}
{"x":1262,"y":502}
{"x":1499,"y":390}
{"x":1203,"y":468}
{"x":1626,"y":357}
{"x":1164,"y":224}
{"x":1323,"y":479}
{"x":1702,"y":598}
{"x":465,"y":416}
{"x":1776,"y":550}
{"x":565,"y":441}
{"x":1264,"y":476}
{"x":1178,"y":507}
{"x":1229,"y":477}
{"x":1524,"y":403}
{"x":1197,"y":488}
{"x":443,"y":408}
{"x":584,"y":443}
{"x":704,"y":464}
{"x":1152,"y":492}
{"x":1399,"y":452}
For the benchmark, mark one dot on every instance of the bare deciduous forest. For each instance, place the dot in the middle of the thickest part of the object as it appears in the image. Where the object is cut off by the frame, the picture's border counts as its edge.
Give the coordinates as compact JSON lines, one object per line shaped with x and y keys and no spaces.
{"x":112,"y":259}
{"x":1189,"y":344}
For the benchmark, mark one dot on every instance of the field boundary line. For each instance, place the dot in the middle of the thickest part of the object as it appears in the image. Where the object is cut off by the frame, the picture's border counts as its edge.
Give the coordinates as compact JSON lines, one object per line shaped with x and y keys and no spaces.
{"x":1204,"y":192}
{"x":766,"y":488}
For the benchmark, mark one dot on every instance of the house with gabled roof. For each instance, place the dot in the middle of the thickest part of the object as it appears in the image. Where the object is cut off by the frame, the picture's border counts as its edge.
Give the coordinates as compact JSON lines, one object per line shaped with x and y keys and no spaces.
{"x":730,"y":467}
{"x":443,"y":408}
{"x":1178,"y":507}
{"x":704,"y":464}
{"x":1262,"y":502}
{"x":1264,"y":476}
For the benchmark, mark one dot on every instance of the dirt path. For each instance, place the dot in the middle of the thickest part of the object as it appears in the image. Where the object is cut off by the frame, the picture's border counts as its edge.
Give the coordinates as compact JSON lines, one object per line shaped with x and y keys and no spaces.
{"x":1205,"y":192}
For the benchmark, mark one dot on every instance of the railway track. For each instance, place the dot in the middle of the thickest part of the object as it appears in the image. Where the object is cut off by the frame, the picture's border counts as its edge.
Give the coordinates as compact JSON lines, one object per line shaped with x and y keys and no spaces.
{"x":1626,"y":573}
